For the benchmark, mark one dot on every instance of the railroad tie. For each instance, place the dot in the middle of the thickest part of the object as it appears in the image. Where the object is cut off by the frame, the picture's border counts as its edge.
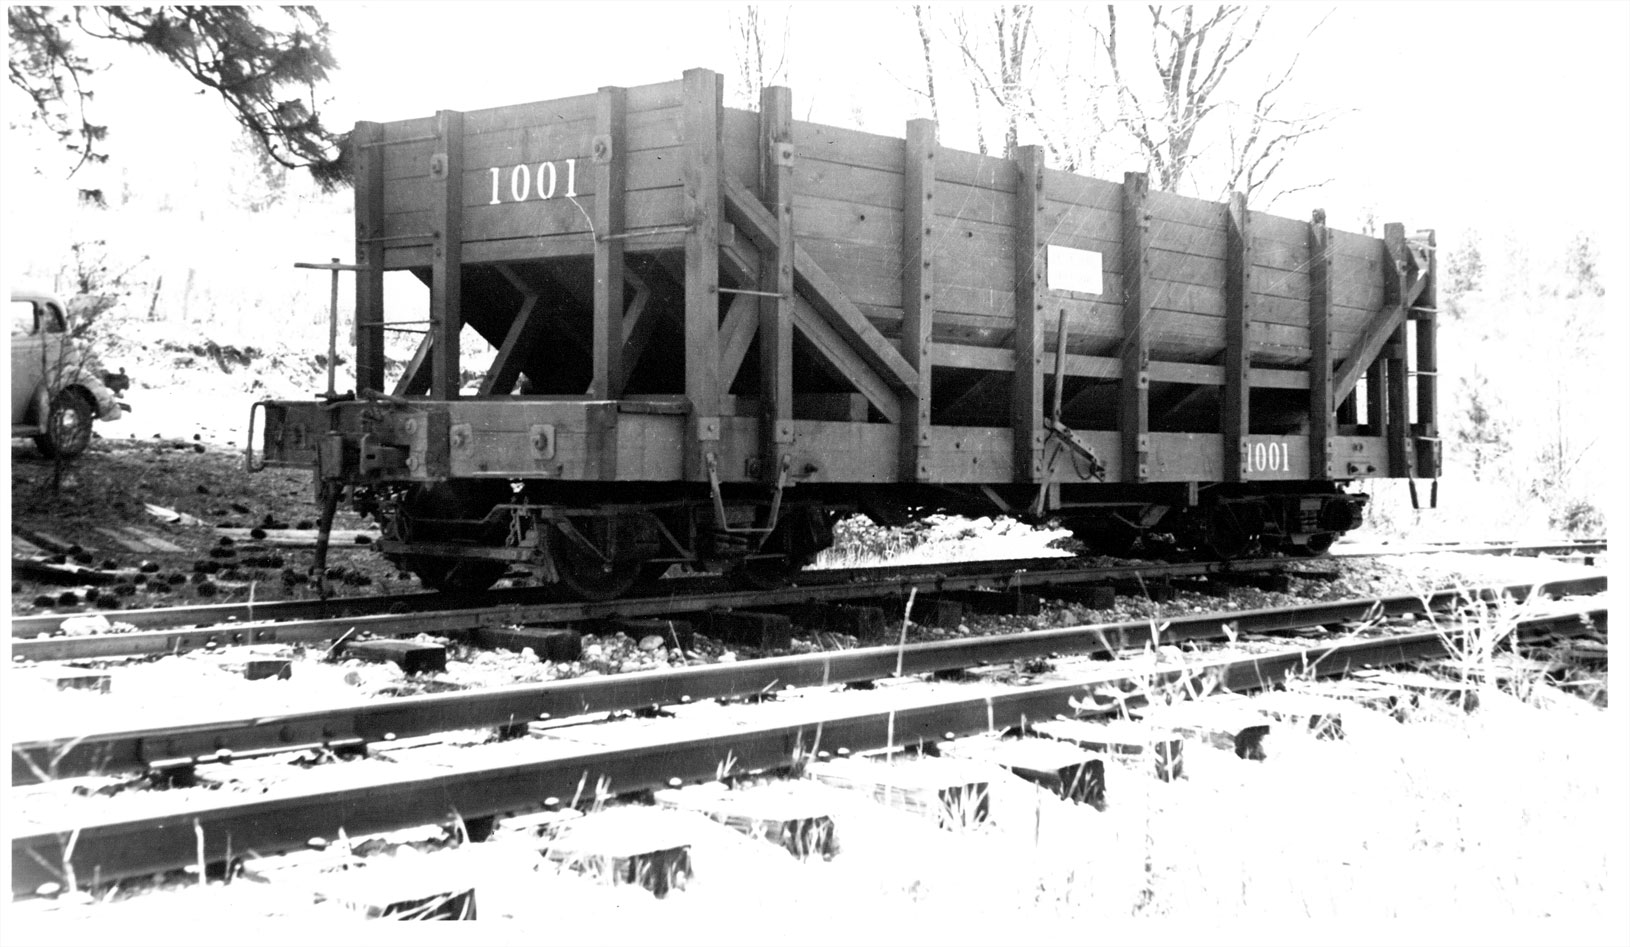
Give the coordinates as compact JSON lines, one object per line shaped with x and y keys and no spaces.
{"x":780,"y":813}
{"x":953,"y":793}
{"x":755,"y":629}
{"x":627,"y":845}
{"x":1068,"y":771}
{"x":549,"y":644}
{"x":413,"y":657}
{"x":1159,"y":747}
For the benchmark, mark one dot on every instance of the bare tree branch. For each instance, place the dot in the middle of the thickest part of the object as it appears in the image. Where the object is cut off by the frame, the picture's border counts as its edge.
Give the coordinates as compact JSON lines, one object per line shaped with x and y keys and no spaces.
{"x":921,"y":14}
{"x":1192,"y":58}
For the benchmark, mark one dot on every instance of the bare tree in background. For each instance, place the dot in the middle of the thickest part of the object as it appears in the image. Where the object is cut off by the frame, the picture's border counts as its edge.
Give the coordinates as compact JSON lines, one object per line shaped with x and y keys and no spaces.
{"x":920,"y":14}
{"x":757,"y":63}
{"x":1193,"y":57}
{"x":999,"y":53}
{"x":1010,"y":26}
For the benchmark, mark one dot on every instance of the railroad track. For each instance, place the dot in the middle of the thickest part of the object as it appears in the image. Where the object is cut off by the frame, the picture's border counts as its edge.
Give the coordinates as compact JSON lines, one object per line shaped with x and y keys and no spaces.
{"x":65,"y":755}
{"x":166,"y":836}
{"x":679,"y":590}
{"x":853,"y":585}
{"x":190,"y":627}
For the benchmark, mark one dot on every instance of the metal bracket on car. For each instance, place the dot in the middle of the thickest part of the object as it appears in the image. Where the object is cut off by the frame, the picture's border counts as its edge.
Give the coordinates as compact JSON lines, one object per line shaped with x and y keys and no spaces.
{"x":718,"y":498}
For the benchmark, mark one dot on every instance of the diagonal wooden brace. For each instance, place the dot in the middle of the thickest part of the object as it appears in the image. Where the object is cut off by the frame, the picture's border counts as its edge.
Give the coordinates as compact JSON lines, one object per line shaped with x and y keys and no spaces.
{"x":759,"y":226}
{"x":824,"y":338}
{"x":1376,"y":335}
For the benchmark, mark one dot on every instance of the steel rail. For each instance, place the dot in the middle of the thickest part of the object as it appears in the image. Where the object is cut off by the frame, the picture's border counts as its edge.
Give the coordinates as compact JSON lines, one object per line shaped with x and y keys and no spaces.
{"x":110,"y":848}
{"x":453,"y":621}
{"x":29,"y":627}
{"x":66,"y":755}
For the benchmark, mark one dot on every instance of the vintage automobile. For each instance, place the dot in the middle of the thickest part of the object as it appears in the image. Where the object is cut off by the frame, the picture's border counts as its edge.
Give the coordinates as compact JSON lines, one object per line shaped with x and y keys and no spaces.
{"x":58,"y":389}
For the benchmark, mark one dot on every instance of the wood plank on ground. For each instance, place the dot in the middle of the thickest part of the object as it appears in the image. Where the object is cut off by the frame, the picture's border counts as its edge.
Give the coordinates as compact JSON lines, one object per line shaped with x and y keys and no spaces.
{"x":299,"y":537}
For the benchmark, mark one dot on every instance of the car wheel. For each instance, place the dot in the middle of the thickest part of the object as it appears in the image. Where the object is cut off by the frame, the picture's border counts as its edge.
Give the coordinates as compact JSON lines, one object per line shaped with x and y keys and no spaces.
{"x":68,"y":428}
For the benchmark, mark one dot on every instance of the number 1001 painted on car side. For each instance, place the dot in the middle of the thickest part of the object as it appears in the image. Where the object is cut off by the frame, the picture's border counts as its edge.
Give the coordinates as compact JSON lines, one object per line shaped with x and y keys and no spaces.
{"x":1266,"y":456}
{"x":521,"y":180}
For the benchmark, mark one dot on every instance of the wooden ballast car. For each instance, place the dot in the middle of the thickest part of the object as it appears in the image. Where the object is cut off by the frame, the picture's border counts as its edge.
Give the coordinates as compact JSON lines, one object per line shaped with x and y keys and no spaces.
{"x":716,"y":330}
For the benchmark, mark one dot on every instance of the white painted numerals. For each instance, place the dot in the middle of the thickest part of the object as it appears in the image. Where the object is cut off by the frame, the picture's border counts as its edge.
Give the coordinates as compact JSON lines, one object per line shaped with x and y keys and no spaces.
{"x":524,"y":184}
{"x":1267,"y":457}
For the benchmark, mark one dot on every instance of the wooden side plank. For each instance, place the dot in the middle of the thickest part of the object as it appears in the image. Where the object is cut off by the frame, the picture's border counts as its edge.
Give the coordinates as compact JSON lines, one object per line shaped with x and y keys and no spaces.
{"x":917,"y":300}
{"x":610,"y":165}
{"x":368,"y":177}
{"x":1236,"y":404}
{"x":702,"y":98}
{"x":1427,"y":446}
{"x":447,"y":282}
{"x":1320,"y":404}
{"x":1029,"y":283}
{"x":1134,"y":394}
{"x":1398,"y":443}
{"x":775,"y":315}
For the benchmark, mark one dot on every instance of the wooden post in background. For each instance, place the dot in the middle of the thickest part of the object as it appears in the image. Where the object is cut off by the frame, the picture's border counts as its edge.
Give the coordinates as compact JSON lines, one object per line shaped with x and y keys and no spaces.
{"x":1134,"y":407}
{"x":917,"y":300}
{"x":610,"y":157}
{"x":1236,"y":405}
{"x":1427,"y":447}
{"x":775,"y":275}
{"x":1396,"y":356}
{"x":700,"y":173}
{"x":447,"y":253}
{"x":1029,"y":293}
{"x":368,"y":178}
{"x":1319,"y":407}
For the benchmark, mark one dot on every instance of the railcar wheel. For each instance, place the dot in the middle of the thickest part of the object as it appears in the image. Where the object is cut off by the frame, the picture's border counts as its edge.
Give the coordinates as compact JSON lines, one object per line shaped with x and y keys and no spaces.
{"x":1232,"y":531}
{"x":584,"y":576}
{"x":425,"y":515}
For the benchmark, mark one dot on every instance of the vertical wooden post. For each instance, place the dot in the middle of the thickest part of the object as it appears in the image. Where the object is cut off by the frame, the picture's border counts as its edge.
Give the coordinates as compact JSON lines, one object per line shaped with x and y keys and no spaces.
{"x":700,"y":173}
{"x":368,"y":178}
{"x":1029,"y":293}
{"x":1427,"y":450}
{"x":1134,"y":414}
{"x":609,"y":153}
{"x":1375,"y":398}
{"x":775,"y":275}
{"x":1236,"y":405}
{"x":1347,"y":411}
{"x":917,"y":300}
{"x":1396,"y":356}
{"x":1319,"y":408}
{"x":447,"y":253}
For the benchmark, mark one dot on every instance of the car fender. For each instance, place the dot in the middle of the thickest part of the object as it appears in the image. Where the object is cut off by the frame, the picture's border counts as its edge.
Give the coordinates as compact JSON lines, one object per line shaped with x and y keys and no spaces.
{"x":106,"y":401}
